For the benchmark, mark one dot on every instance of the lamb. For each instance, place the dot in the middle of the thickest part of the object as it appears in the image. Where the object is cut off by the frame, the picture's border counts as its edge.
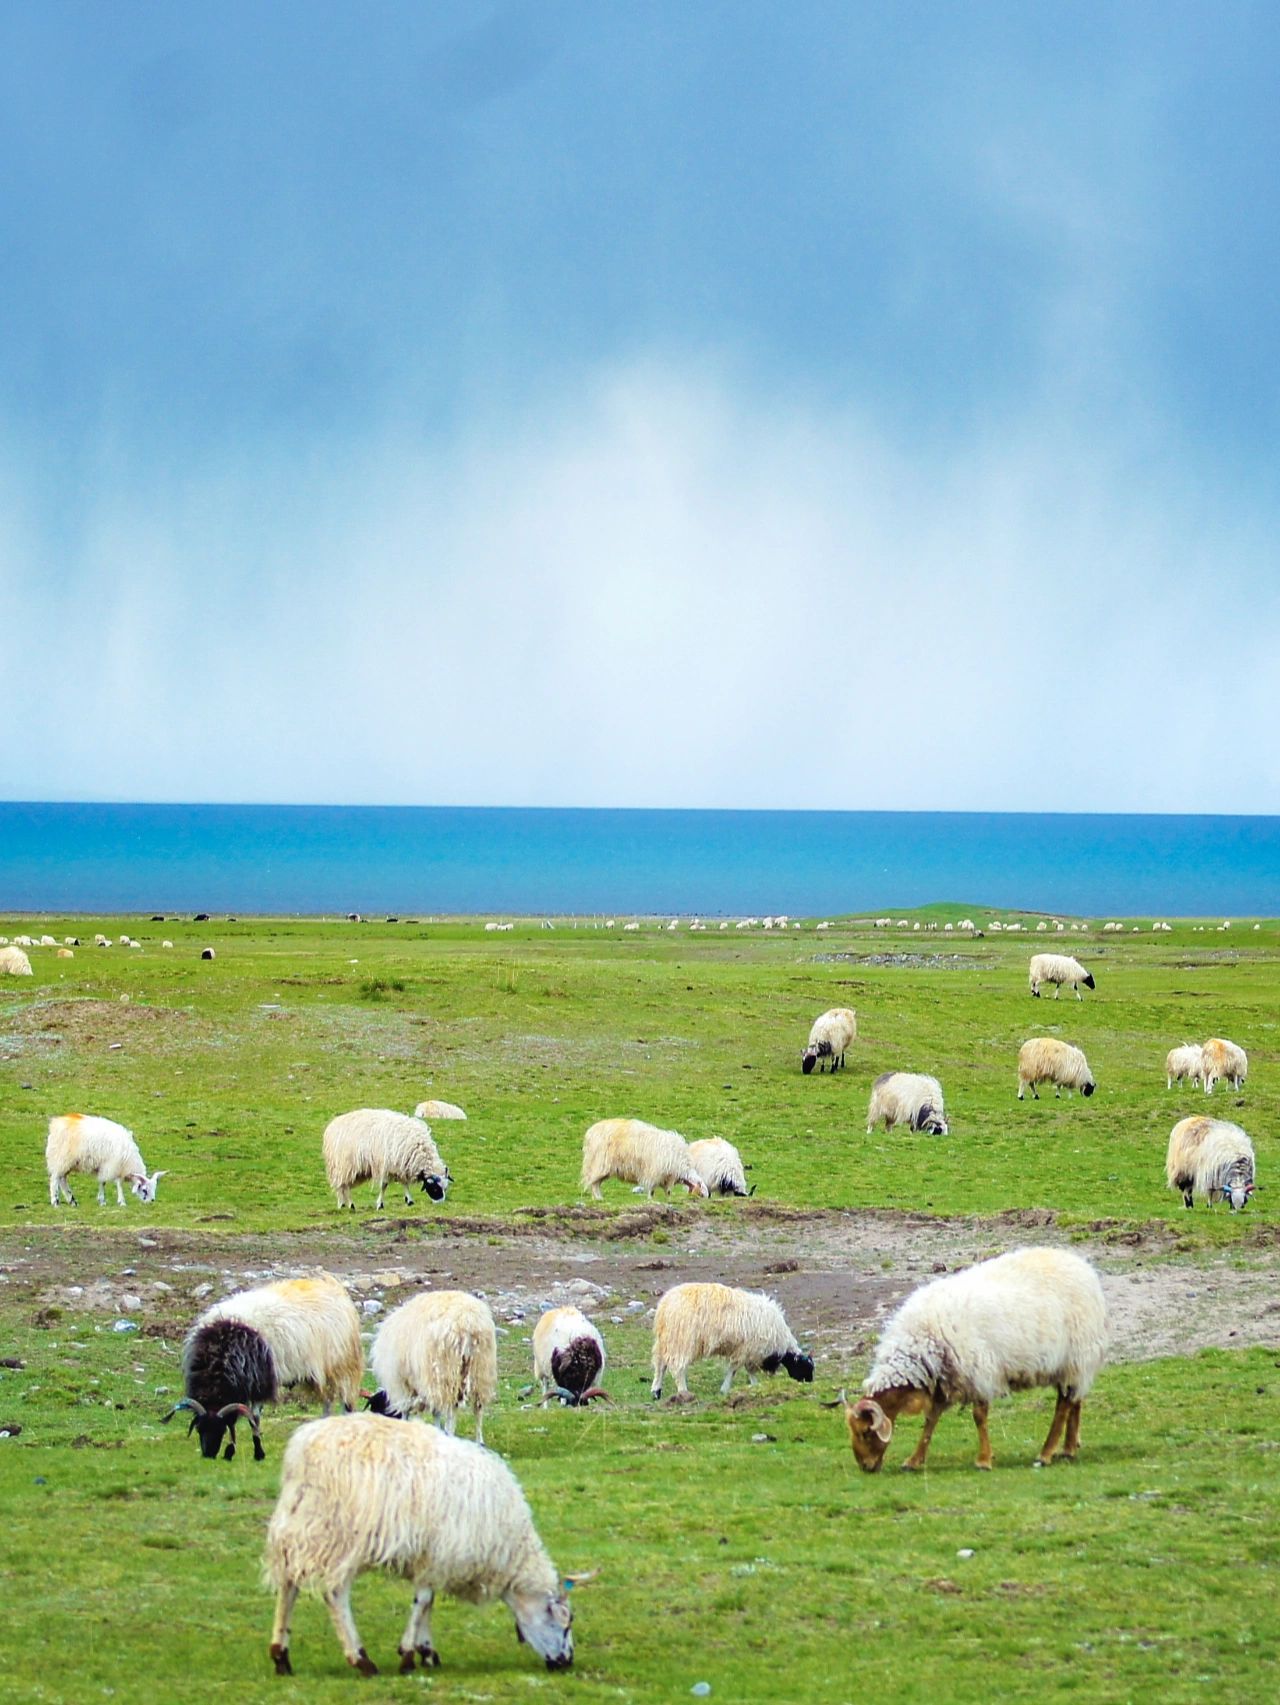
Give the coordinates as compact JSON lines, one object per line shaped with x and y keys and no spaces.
{"x":438,"y":1110}
{"x":720,"y":1167}
{"x":1213,"y":1157}
{"x":83,"y":1142}
{"x":830,"y":1036}
{"x":568,"y":1356}
{"x":363,"y":1492}
{"x":437,"y":1351}
{"x":1223,"y":1059}
{"x":228,"y":1372}
{"x":312,"y":1330}
{"x":1046,"y":1060}
{"x":907,"y":1098}
{"x":375,"y":1143}
{"x":1058,"y":968}
{"x":1030,"y":1318}
{"x":747,"y":1328}
{"x":1184,"y":1062}
{"x":14,"y":963}
{"x":638,"y":1153}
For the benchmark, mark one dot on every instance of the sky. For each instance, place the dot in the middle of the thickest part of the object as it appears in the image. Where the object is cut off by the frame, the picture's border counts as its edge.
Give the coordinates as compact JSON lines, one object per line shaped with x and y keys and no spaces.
{"x":730,"y":405}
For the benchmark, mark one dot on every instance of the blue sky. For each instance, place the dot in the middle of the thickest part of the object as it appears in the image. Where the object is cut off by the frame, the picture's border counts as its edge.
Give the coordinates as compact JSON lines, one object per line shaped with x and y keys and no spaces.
{"x":820,"y":405}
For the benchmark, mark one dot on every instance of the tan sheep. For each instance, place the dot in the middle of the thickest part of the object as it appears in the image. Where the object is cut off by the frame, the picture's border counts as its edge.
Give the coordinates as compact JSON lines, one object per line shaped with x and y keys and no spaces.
{"x":1046,"y":1060}
{"x":438,"y":1351}
{"x":638,"y":1153}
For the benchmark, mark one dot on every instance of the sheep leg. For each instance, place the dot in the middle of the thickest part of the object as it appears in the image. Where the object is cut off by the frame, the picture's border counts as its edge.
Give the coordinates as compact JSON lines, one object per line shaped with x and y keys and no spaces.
{"x":417,"y":1635}
{"x":1049,"y":1449}
{"x":339,"y":1603}
{"x":119,"y":1194}
{"x":659,"y":1374}
{"x":382,"y":1186}
{"x":916,"y":1459}
{"x":102,"y":1194}
{"x":980,"y":1413}
{"x":286,"y":1598}
{"x":478,"y":1412}
{"x":1071,"y":1449}
{"x":597,"y":1193}
{"x":727,"y":1381}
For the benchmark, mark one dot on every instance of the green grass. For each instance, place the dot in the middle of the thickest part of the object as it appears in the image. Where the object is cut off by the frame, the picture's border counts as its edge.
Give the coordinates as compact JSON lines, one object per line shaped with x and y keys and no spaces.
{"x":770,"y":1569}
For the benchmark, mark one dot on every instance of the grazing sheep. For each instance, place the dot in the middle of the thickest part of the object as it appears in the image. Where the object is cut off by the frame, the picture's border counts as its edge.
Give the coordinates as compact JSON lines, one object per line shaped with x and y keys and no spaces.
{"x":638,"y":1153}
{"x":1058,"y":968}
{"x":907,"y":1098}
{"x":83,"y":1142}
{"x":362,"y":1492}
{"x":1030,"y":1318}
{"x":747,"y":1328}
{"x":228,"y":1372}
{"x":720,"y":1167}
{"x":1186,"y":1062}
{"x":568,"y":1355}
{"x":437,"y":1351}
{"x":65,"y":953}
{"x":312,"y":1329}
{"x":1213,"y":1157}
{"x":1223,"y":1059}
{"x":1046,"y":1060}
{"x":207,"y":953}
{"x":438,"y":1110}
{"x":375,"y":1143}
{"x":830,"y":1036}
{"x":166,"y":943}
{"x":14,"y":963}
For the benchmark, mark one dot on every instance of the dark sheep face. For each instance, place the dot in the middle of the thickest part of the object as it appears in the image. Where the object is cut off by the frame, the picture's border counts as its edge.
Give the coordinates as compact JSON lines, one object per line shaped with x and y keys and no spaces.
{"x":1089,"y":982}
{"x":379,"y":1404}
{"x":808,"y":1061}
{"x":1088,"y":1088}
{"x":210,"y":1429}
{"x":435,"y":1186}
{"x":799,"y":1366}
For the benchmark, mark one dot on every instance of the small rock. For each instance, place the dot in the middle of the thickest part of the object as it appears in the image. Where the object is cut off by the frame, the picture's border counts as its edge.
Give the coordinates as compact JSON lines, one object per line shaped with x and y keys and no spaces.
{"x":202,"y":1290}
{"x":700,"y":1689}
{"x":125,"y":1326}
{"x":371,"y":1306}
{"x":938,"y":1267}
{"x":130,"y":1301}
{"x":966,"y":1552}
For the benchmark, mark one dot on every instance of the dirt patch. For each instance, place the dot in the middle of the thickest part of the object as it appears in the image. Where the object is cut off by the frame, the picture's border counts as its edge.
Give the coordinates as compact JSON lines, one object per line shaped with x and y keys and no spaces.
{"x":904,"y":961}
{"x":48,"y":1026}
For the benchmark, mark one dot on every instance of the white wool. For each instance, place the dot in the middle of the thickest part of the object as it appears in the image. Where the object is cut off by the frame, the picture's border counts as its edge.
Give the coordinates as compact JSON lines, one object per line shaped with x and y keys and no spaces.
{"x":1030,"y":1318}
{"x":438,"y":1110}
{"x":1056,"y":968}
{"x":84,"y":1142}
{"x":313,"y":1331}
{"x":719,"y":1166}
{"x":695,"y":1321}
{"x":637,"y":1153}
{"x":14,"y":963}
{"x":378,"y":1144}
{"x":437,"y":1352}
{"x":1223,"y":1059}
{"x":907,"y":1098}
{"x":831,"y":1034}
{"x":1186,"y":1061}
{"x":1044,"y":1059}
{"x":556,"y":1330}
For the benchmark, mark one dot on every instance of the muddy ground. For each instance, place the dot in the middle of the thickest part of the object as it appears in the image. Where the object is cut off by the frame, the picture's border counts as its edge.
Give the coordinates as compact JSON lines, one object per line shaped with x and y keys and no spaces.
{"x":836,"y":1274}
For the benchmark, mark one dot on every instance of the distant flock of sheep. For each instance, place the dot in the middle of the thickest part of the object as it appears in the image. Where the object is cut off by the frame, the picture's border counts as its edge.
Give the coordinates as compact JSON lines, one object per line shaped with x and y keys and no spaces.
{"x":376,"y":1490}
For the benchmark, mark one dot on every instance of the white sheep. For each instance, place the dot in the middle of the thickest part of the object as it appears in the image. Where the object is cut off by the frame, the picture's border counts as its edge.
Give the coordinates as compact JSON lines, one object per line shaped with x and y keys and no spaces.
{"x":568,"y":1355}
{"x":375,"y":1143}
{"x":1031,"y":1318}
{"x":907,"y":1098}
{"x":1213,"y":1157}
{"x":1044,"y":1059}
{"x":312,"y":1329}
{"x":637,"y":1153}
{"x":1223,"y":1059}
{"x":84,"y":1142}
{"x":1185,"y":1062}
{"x":1058,"y":968}
{"x":829,"y":1038}
{"x":747,"y":1328}
{"x":438,"y":1110}
{"x":47,"y":941}
{"x":720,"y":1167}
{"x":362,"y":1492}
{"x":14,"y":963}
{"x":438,"y":1351}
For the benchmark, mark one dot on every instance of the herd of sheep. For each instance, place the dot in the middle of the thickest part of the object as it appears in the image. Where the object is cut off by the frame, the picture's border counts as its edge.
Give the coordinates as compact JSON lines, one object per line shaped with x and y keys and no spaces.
{"x":377,"y":1490}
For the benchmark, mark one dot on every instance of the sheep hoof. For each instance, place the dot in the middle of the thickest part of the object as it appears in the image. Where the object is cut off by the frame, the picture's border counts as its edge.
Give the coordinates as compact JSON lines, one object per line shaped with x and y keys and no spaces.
{"x":682,"y":1397}
{"x":407,"y":1660}
{"x":430,"y":1657}
{"x":985,"y":1466}
{"x":280,"y":1658}
{"x":364,"y":1663}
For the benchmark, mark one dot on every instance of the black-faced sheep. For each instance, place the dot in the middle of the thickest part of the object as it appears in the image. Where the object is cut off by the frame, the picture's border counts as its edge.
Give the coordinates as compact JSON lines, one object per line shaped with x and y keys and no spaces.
{"x":720,"y":1167}
{"x":1046,"y":1060}
{"x":375,"y":1143}
{"x":437,"y":1352}
{"x":1059,"y":968}
{"x":638,"y":1153}
{"x":829,"y":1039}
{"x":312,"y":1329}
{"x":907,"y":1098}
{"x":228,"y":1372}
{"x":747,"y":1328}
{"x":568,"y":1356}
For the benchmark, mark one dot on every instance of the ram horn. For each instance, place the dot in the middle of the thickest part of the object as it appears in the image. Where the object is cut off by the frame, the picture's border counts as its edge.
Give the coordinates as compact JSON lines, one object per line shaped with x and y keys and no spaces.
{"x":185,"y":1403}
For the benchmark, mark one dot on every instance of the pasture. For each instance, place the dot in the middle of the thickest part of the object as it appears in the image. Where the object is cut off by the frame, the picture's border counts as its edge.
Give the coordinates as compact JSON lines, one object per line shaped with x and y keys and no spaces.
{"x":737,"y":1543}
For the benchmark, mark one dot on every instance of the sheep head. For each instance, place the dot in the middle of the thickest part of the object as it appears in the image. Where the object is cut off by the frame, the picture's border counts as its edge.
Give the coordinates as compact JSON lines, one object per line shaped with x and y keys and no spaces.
{"x":695,"y":1185}
{"x":144,"y":1187}
{"x":544,"y":1622}
{"x":436,"y":1184}
{"x":870,"y":1431}
{"x":929,"y":1120}
{"x":1088,"y":1087}
{"x":1237,"y":1192}
{"x":808,"y":1060}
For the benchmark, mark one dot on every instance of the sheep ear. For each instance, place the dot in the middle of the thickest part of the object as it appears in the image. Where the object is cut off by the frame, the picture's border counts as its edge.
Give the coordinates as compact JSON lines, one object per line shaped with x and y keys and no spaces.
{"x":874,"y":1418}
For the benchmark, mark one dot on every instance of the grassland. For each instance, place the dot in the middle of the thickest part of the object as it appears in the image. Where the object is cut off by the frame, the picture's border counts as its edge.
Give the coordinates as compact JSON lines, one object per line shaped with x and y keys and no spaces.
{"x":736,"y":1543}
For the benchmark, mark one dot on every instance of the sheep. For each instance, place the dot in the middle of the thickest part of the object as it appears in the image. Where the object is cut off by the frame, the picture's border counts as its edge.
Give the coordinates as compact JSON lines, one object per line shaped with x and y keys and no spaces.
{"x":437,"y":1351}
{"x":312,"y":1329}
{"x":228,"y":1371}
{"x":1030,"y":1318}
{"x":83,"y":1142}
{"x":363,"y":1492}
{"x":568,"y":1356}
{"x":907,"y":1098}
{"x":638,"y":1153}
{"x":1058,"y":968}
{"x":14,"y":963}
{"x":71,"y":941}
{"x":1213,"y":1157}
{"x":438,"y":1110}
{"x":1223,"y":1059}
{"x":375,"y":1143}
{"x":1046,"y":1060}
{"x":830,"y":1036}
{"x":720,"y":1167}
{"x":747,"y":1328}
{"x":208,"y":953}
{"x":1186,"y":1062}
{"x":47,"y":941}
{"x":166,"y":943}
